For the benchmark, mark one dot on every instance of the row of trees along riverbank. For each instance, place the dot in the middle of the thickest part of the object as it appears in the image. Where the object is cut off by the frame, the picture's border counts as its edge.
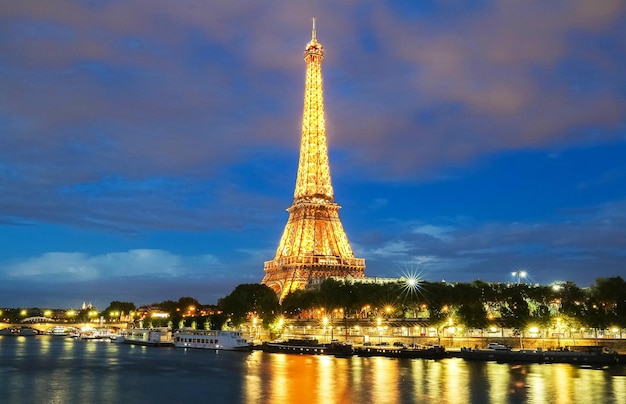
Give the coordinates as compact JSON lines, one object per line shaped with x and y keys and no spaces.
{"x":475,"y":305}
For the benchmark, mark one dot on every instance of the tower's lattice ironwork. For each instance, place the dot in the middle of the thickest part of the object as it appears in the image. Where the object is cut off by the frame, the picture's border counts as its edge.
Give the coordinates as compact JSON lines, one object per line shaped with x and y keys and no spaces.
{"x":314,"y":243}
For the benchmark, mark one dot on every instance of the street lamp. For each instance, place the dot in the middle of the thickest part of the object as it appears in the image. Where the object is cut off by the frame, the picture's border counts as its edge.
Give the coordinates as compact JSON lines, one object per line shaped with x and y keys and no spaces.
{"x":519,"y":274}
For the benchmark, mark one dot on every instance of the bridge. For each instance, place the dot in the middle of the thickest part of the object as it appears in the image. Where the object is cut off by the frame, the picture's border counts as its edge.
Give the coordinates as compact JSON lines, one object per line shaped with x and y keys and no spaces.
{"x":43,"y":324}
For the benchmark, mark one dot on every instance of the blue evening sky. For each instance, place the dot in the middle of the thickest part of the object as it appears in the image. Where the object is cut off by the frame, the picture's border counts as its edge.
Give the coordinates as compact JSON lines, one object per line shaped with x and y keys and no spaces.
{"x":149,"y":148}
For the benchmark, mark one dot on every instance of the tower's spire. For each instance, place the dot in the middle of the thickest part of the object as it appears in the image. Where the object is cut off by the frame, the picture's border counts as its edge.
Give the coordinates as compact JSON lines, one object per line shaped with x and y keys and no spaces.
{"x":313,"y":33}
{"x":313,"y":179}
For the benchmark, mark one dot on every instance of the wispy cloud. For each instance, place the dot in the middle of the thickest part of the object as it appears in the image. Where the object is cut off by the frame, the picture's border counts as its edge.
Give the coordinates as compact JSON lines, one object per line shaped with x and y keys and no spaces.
{"x":60,"y":267}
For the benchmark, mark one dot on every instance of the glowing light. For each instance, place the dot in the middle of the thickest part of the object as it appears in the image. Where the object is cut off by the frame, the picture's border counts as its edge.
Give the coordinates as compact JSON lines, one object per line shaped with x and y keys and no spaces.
{"x":519,"y":274}
{"x":411,"y":283}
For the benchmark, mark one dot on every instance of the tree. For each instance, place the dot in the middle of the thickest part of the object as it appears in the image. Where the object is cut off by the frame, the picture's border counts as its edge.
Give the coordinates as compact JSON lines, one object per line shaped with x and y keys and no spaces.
{"x":299,"y":301}
{"x":515,"y":310}
{"x":572,"y":299}
{"x":118,"y":308}
{"x":470,"y":305}
{"x":608,"y":303}
{"x":250,"y":298}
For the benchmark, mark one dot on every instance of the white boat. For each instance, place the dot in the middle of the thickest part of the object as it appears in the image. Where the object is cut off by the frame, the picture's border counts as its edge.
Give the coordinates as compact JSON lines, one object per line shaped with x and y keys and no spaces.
{"x":119,"y":338}
{"x":58,"y":331}
{"x":148,"y":336}
{"x":211,"y":339}
{"x":96,"y":334}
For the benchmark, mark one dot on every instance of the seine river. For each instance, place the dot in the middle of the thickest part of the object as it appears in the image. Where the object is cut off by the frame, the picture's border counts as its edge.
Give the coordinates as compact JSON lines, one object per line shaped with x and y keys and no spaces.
{"x":45,"y":369}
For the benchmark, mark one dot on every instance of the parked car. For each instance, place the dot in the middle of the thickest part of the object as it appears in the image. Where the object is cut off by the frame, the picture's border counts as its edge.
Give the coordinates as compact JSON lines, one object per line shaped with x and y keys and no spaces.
{"x":399,"y":344}
{"x":496,"y":346}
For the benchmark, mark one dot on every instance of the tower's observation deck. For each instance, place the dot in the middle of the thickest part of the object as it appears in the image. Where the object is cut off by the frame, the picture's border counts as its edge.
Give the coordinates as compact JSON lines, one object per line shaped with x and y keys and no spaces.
{"x":314,"y":243}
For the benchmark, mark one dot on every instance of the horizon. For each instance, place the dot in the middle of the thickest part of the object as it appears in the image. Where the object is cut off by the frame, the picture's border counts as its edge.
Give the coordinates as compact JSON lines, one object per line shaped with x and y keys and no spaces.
{"x":150,"y":149}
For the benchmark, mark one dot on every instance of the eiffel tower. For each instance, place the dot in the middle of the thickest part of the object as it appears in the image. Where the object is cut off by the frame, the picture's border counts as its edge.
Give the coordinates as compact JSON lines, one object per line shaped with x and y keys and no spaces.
{"x":313,"y":244}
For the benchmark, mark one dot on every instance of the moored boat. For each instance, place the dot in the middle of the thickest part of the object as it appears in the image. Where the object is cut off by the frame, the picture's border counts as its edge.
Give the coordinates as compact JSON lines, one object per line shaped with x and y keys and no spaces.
{"x":149,"y":336}
{"x":422,"y":352}
{"x":118,"y":338}
{"x":58,"y":331}
{"x":96,"y":334}
{"x":19,"y":331}
{"x":211,"y":339}
{"x":581,"y":355}
{"x":308,"y":347}
{"x":514,"y":356}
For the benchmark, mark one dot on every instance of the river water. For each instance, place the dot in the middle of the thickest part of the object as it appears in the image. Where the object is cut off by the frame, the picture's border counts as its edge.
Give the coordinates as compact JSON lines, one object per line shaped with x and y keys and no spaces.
{"x":46,"y":369}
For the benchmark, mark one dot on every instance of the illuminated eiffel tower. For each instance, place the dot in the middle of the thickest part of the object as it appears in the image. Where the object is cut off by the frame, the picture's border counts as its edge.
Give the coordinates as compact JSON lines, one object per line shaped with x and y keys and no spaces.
{"x":314,"y":244}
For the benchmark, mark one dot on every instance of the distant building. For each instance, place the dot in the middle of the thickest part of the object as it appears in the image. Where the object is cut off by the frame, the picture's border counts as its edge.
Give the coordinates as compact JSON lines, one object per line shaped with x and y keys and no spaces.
{"x":371,"y":280}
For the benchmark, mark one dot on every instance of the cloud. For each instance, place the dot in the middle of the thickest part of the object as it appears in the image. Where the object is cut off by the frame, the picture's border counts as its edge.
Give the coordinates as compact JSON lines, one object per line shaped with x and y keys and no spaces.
{"x":439,"y":232}
{"x":141,"y":276}
{"x":574,"y":247}
{"x":141,"y":91}
{"x":60,"y":267}
{"x":512,"y":76}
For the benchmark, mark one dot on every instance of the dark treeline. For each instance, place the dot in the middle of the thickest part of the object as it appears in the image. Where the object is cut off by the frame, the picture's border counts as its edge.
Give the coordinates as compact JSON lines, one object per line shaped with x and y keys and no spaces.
{"x":474,"y":305}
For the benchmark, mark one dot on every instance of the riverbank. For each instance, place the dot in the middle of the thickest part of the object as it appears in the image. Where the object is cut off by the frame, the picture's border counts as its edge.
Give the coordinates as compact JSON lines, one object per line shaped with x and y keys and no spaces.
{"x":456,"y":343}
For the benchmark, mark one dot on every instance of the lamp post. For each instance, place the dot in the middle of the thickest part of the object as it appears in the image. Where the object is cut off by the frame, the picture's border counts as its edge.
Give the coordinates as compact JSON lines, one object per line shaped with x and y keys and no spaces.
{"x":519,"y":274}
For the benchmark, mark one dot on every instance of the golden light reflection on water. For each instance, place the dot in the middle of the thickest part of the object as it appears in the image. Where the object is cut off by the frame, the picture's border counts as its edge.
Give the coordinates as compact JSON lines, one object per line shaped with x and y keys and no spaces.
{"x":44,"y":347}
{"x":445,"y":380}
{"x":455,"y":377}
{"x":500,"y":384}
{"x":325,"y":379}
{"x":79,"y":371}
{"x":293,"y":378}
{"x":618,"y":385}
{"x":384,"y":375}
